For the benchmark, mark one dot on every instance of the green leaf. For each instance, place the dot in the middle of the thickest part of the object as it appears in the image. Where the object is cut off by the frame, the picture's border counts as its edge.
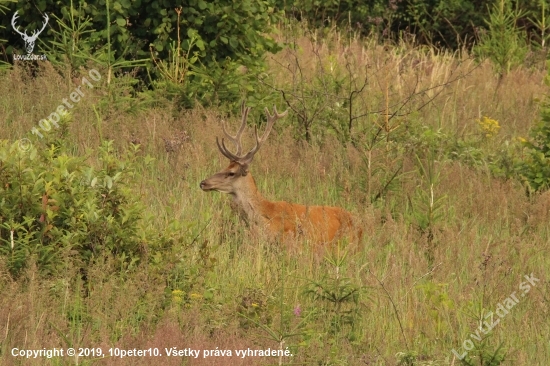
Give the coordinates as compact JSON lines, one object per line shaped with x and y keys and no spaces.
{"x":208,"y":295}
{"x":126,"y":4}
{"x":200,"y":44}
{"x":121,"y":22}
{"x":192,"y":33}
{"x":42,"y":6}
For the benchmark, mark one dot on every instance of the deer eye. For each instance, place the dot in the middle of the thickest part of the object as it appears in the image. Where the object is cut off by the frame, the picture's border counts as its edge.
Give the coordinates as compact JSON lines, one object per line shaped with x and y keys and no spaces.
{"x":230,"y":174}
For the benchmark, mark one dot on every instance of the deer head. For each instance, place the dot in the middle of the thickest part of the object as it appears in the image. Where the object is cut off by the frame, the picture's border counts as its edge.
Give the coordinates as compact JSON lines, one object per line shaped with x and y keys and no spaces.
{"x":29,"y":40}
{"x":233,"y":178}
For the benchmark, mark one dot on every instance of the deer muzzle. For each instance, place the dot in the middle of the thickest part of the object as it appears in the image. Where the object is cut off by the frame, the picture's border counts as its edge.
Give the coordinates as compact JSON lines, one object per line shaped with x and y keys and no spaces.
{"x":204,"y":186}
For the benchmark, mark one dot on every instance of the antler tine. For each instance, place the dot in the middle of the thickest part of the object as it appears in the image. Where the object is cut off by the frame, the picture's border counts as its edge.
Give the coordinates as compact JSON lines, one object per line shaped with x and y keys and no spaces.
{"x":223,"y":149}
{"x":15,"y":27}
{"x":237,"y":138}
{"x":271,"y":118}
{"x":275,"y":115}
{"x":46,"y":18}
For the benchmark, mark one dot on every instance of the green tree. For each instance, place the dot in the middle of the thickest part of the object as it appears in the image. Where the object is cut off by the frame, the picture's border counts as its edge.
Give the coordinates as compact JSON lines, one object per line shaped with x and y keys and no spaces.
{"x":236,"y":30}
{"x":504,"y":42}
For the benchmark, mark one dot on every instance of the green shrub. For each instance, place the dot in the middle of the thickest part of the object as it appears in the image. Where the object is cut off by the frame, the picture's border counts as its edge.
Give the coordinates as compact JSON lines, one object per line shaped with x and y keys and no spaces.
{"x":237,"y":30}
{"x":65,"y":212}
{"x":534,"y":168}
{"x":440,"y":22}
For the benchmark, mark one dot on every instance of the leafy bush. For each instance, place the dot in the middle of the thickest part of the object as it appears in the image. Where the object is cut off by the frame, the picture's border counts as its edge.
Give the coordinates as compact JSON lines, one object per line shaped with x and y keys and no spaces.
{"x":65,"y":212}
{"x":439,"y":22}
{"x":443,"y":23}
{"x":185,"y":79}
{"x":534,"y":168}
{"x":225,"y":29}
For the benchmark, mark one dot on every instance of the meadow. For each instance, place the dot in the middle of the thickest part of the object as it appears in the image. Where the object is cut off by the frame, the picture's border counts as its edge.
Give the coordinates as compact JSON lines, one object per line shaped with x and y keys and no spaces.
{"x":417,"y":143}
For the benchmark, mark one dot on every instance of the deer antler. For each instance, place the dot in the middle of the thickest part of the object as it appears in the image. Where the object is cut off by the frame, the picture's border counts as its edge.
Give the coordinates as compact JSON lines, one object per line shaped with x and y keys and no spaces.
{"x":237,"y":138}
{"x":46,"y":19}
{"x":15,"y":27}
{"x":271,"y":118}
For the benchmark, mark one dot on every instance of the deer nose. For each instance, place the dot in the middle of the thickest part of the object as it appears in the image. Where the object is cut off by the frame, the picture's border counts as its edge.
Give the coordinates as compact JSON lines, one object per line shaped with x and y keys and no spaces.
{"x":203,"y":183}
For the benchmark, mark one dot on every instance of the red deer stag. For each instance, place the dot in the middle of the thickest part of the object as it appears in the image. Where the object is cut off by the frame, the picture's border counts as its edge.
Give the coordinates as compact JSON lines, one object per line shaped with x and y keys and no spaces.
{"x":320,"y":224}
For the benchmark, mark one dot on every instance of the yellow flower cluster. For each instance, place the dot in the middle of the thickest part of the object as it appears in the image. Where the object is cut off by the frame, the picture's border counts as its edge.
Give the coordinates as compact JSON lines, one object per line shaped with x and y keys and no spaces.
{"x":195,"y":296}
{"x":488,"y":126}
{"x":177,"y":296}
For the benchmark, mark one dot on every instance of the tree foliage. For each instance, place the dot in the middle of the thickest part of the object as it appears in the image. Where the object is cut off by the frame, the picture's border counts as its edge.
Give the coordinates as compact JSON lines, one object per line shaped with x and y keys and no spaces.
{"x":445,"y":23}
{"x":237,"y":30}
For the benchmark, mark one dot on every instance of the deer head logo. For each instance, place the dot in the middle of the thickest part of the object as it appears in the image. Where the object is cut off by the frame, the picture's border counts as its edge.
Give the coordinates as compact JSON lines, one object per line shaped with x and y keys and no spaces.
{"x":29,"y":40}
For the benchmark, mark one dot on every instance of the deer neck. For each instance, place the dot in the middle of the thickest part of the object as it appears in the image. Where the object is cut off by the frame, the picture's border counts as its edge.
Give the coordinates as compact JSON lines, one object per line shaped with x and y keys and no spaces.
{"x":249,"y":200}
